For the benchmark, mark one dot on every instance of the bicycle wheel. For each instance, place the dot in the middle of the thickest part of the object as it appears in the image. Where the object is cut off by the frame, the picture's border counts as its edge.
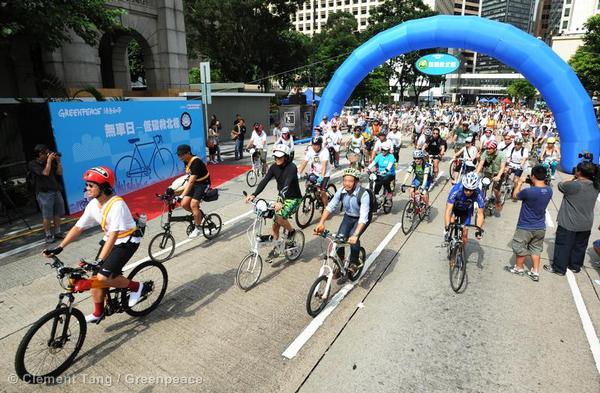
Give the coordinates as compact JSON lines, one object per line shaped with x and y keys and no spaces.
{"x":296,"y":247}
{"x":408,"y":215}
{"x":362,"y":256}
{"x":318,"y":295}
{"x":305,"y":212}
{"x":129,"y":173}
{"x":211,"y":226}
{"x":249,"y":271}
{"x":457,"y":268}
{"x":161,"y":247}
{"x":331,"y":190}
{"x":42,"y":353}
{"x":251,"y":178}
{"x":155,"y":279}
{"x":163,"y":163}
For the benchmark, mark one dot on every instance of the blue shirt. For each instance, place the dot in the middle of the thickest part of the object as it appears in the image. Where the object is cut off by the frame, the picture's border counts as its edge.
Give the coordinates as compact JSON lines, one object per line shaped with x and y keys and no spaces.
{"x":385,"y":164}
{"x":533,"y":209}
{"x":461,"y":201}
{"x":351,"y":205}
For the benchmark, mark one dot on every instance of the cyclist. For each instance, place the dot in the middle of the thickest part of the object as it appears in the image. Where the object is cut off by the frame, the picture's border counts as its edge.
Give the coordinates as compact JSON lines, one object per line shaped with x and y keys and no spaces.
{"x":121,"y":238}
{"x":460,"y":205}
{"x":198,"y":182}
{"x":425,"y":135}
{"x":259,"y":141}
{"x":492,"y":164}
{"x":517,"y":161}
{"x":333,"y":139}
{"x":486,"y":137}
{"x":469,"y":154}
{"x":286,"y":139}
{"x":385,"y":165}
{"x":506,"y":144}
{"x":422,"y":176}
{"x":435,"y":147}
{"x":356,"y":205}
{"x":356,"y":141}
{"x":285,"y":173}
{"x":319,"y":165}
{"x":460,"y":135}
{"x":381,"y":139}
{"x":369,"y":142}
{"x":550,"y":155}
{"x":395,"y":138}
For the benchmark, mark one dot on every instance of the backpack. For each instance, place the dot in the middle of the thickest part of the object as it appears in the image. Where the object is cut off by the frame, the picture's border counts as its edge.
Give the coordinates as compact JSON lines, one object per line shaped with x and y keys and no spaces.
{"x":30,"y":180}
{"x":372,"y":201}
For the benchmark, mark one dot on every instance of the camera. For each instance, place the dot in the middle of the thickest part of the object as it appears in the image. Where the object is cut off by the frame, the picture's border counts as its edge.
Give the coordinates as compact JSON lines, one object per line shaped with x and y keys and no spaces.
{"x":528,"y":180}
{"x":585,"y":156}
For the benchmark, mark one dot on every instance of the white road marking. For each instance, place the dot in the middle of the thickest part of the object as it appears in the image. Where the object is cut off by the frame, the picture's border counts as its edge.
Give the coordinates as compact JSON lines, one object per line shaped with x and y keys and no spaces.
{"x":549,"y":221}
{"x":586,"y":321}
{"x":181,"y":243}
{"x":22,"y":248}
{"x":598,"y":198}
{"x":293,"y":349}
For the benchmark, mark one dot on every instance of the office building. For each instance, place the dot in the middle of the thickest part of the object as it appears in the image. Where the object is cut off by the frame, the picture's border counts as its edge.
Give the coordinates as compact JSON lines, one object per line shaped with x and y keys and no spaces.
{"x":312,"y":15}
{"x":547,"y":21}
{"x":573,"y":16}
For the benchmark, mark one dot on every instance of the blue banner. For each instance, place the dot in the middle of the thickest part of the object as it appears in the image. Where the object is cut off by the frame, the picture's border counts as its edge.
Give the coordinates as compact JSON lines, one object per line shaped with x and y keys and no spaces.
{"x":137,"y":139}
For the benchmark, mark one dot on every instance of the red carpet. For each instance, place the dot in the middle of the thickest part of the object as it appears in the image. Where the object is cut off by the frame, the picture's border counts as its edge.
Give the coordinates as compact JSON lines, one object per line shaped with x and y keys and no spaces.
{"x":144,"y":200}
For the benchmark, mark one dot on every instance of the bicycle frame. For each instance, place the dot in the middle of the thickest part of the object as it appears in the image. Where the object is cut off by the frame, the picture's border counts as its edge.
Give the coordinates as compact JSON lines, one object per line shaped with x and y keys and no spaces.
{"x":331,"y":256}
{"x":155,"y":141}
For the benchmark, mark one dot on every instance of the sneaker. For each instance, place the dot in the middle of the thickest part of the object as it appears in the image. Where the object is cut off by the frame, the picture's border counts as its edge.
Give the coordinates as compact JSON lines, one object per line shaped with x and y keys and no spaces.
{"x":550,"y":268}
{"x":516,"y":271}
{"x":60,"y":235}
{"x":534,"y":276}
{"x":50,"y":239}
{"x":272,"y":255}
{"x":574,"y":270}
{"x":91,"y":318}
{"x":134,"y":297}
{"x":195,"y":233}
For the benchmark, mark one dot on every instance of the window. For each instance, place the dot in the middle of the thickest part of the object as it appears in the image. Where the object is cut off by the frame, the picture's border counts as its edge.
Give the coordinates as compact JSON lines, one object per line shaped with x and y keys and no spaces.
{"x":565,"y":24}
{"x":567,"y":11}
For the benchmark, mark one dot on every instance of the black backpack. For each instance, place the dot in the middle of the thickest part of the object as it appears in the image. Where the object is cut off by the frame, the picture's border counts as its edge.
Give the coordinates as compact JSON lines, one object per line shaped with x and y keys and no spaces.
{"x":372,"y":201}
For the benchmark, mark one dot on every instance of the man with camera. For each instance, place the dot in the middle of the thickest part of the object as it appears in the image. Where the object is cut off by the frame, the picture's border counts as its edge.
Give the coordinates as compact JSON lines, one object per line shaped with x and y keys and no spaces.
{"x":575,"y":217}
{"x":531,"y":227}
{"x":43,"y":173}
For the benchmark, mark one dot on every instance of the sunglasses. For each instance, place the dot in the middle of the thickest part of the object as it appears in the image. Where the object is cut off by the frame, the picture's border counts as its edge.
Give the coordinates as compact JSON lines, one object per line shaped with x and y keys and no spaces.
{"x":90,"y":185}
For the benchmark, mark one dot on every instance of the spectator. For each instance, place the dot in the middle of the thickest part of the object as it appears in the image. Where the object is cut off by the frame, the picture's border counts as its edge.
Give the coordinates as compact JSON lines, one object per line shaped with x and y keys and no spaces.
{"x":212,"y":143}
{"x":276,"y":132}
{"x":237,"y":134}
{"x":45,"y":170}
{"x":575,"y":219}
{"x":216,"y":125}
{"x":531,"y":227}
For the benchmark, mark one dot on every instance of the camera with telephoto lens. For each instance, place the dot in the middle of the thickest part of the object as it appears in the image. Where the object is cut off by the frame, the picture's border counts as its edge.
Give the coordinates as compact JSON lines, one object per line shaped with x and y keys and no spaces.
{"x":585,"y":156}
{"x":58,"y":154}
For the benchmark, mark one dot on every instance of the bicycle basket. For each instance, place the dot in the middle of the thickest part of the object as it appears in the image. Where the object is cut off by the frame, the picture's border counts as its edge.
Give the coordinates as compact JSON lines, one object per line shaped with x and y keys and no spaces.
{"x":211,"y":195}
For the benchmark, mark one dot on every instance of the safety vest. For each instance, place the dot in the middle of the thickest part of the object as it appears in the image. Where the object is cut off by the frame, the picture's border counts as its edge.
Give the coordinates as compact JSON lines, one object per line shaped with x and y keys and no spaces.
{"x":109,"y":205}
{"x":188,"y":170}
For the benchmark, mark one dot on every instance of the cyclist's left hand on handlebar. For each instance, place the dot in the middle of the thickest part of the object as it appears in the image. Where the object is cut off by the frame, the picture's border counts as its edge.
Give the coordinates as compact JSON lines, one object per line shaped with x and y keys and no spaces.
{"x":250,"y":198}
{"x":49,"y":253}
{"x":320,"y":228}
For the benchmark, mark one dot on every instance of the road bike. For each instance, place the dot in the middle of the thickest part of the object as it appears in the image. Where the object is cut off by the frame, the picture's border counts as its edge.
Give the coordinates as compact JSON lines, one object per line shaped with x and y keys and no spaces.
{"x":258,"y":170}
{"x":383,"y":202}
{"x":311,"y":201}
{"x":162,"y":245}
{"x":250,"y":267}
{"x":335,"y":265}
{"x":414,"y":211}
{"x":457,"y":262}
{"x":464,"y":168}
{"x":51,"y":344}
{"x":134,"y":167}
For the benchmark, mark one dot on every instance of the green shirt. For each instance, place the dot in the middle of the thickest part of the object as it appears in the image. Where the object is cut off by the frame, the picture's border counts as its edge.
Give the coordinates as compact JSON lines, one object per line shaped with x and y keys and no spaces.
{"x":493,"y":163}
{"x":461,"y":135}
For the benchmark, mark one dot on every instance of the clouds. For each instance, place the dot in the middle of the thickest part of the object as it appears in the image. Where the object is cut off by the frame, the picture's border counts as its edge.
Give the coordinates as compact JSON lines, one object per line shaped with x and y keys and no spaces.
{"x":90,"y":149}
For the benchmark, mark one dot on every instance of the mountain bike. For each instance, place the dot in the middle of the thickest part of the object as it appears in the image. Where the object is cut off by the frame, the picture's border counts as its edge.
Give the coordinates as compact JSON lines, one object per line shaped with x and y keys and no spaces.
{"x":51,"y":344}
{"x":489,"y":197}
{"x":335,"y":264}
{"x":162,"y":245}
{"x":457,"y":262}
{"x":258,"y":170}
{"x":414,"y":211}
{"x":250,"y":267}
{"x":332,"y":156}
{"x":383,"y":202}
{"x":311,"y":200}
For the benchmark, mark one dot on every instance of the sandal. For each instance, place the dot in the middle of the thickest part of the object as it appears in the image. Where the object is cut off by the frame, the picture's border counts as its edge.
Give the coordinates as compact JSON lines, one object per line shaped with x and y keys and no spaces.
{"x":516,"y":271}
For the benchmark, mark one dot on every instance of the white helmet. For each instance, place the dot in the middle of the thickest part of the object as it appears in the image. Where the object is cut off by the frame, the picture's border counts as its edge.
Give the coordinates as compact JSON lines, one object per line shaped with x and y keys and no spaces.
{"x":470,"y":181}
{"x":285,"y":130}
{"x":281,"y":150}
{"x":418,"y":154}
{"x":386,"y":146}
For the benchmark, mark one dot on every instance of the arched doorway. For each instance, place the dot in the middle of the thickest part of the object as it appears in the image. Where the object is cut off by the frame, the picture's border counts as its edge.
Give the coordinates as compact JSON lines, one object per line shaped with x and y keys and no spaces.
{"x":556,"y":81}
{"x":126,"y":60}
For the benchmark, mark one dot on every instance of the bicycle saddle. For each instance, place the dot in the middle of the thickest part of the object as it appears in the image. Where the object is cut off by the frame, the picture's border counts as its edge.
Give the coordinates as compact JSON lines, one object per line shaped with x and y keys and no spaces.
{"x":133,"y":140}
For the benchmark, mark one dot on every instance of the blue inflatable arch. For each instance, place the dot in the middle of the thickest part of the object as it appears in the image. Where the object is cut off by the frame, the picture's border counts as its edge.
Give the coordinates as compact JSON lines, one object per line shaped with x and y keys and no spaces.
{"x":556,"y":81}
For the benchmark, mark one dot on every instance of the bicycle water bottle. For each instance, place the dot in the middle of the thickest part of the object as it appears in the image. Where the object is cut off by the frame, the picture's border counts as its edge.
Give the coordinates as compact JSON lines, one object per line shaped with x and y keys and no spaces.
{"x":141,"y":222}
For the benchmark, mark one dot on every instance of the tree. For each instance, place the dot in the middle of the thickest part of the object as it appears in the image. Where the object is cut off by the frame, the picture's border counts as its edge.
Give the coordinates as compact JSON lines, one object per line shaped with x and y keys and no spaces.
{"x":246,"y":40}
{"x":592,"y":36}
{"x":47,"y":22}
{"x":586,"y":60}
{"x":521,"y":89}
{"x":375,"y":87}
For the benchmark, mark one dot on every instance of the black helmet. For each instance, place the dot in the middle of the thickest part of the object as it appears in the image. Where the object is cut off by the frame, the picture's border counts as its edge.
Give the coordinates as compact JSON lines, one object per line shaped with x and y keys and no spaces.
{"x":317,"y":140}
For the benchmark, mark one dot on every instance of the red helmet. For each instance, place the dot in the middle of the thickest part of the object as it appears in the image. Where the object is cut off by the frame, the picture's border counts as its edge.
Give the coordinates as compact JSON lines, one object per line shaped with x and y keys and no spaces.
{"x":100,"y":175}
{"x":491,"y":144}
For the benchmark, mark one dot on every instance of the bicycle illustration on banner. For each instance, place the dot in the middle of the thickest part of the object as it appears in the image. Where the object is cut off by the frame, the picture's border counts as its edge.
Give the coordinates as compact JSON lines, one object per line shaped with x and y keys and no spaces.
{"x":133,"y":170}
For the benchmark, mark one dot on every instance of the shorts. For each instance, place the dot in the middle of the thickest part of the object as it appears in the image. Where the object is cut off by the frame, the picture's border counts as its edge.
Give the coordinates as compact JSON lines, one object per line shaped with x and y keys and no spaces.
{"x":528,"y":241}
{"x":324,"y":183}
{"x":212,"y":150}
{"x":416,"y":183}
{"x":118,"y":257}
{"x":463,"y":216}
{"x":198,"y":190}
{"x":496,"y":185}
{"x":51,"y":204}
{"x":289,"y":207}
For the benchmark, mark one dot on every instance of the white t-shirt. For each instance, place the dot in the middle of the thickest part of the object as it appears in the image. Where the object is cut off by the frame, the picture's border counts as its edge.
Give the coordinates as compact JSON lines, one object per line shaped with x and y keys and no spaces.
{"x":517,"y":156}
{"x":119,"y":219}
{"x":395,"y":137}
{"x":289,"y":143}
{"x":259,"y":141}
{"x":469,"y":154}
{"x":334,"y":136}
{"x":276,"y":132}
{"x":421,"y":141}
{"x":505,"y":148}
{"x":316,"y":160}
{"x":356,"y":142}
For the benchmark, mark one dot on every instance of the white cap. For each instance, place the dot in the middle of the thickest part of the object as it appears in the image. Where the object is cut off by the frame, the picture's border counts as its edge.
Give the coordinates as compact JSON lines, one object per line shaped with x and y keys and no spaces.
{"x":386,"y":145}
{"x":281,"y":150}
{"x":285,"y":130}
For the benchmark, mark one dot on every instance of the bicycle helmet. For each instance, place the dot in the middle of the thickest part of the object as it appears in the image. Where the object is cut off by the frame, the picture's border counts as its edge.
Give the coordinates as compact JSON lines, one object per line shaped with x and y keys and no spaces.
{"x":281,"y":150}
{"x":386,"y":146}
{"x":491,"y":144}
{"x":470,"y":181}
{"x":428,"y":132}
{"x":551,"y":140}
{"x":285,"y":130}
{"x":418,"y":154}
{"x":351,"y":172}
{"x":103,"y":176}
{"x":519,"y":141}
{"x":469,"y":140}
{"x":317,"y":140}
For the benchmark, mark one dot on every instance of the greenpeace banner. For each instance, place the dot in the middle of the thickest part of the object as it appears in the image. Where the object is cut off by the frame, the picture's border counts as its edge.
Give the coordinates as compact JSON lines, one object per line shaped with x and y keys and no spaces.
{"x":137,"y":139}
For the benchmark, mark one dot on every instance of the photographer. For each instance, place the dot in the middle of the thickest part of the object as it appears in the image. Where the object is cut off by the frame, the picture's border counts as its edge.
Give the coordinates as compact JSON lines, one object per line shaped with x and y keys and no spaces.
{"x":531,"y":227}
{"x":44,"y":172}
{"x":575,"y":218}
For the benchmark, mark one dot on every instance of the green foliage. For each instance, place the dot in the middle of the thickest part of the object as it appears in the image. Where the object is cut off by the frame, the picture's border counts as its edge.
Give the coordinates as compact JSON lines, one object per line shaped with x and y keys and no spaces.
{"x":215,"y":76}
{"x":521,"y":89}
{"x":592,"y":36}
{"x":374,"y":88}
{"x":136,"y":61}
{"x":586,"y":60}
{"x":47,"y":22}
